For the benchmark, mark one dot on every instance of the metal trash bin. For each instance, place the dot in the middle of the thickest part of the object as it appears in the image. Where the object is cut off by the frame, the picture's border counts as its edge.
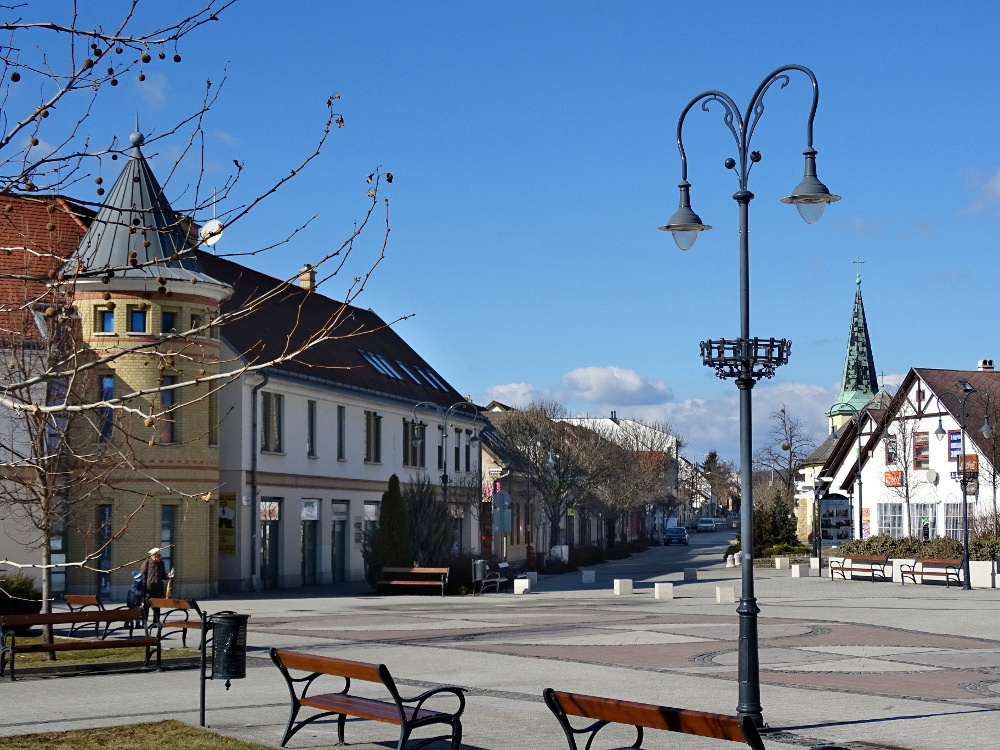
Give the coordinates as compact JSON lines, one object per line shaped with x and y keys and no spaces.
{"x":229,"y":645}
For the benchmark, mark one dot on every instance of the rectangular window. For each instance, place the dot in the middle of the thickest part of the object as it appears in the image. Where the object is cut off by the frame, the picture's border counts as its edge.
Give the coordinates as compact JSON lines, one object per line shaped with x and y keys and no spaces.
{"x":213,"y":418}
{"x":891,"y":455}
{"x":136,"y":320}
{"x":311,"y":429}
{"x":104,"y":534}
{"x":195,"y":320}
{"x":468,"y":452}
{"x":168,"y":321}
{"x":890,"y":519}
{"x":921,"y":515}
{"x":414,"y":453}
{"x":440,"y":448}
{"x":272,"y":418}
{"x":921,"y":451}
{"x":458,"y":451}
{"x":373,"y":437}
{"x":341,"y":433}
{"x":104,"y":320}
{"x":168,"y":420}
{"x":953,"y":521}
{"x":107,"y":413}
{"x":167,"y":514}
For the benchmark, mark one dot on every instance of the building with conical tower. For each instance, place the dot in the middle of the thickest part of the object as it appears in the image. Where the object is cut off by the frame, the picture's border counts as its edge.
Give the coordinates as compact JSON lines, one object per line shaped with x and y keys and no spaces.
{"x":858,"y":386}
{"x":146,"y":325}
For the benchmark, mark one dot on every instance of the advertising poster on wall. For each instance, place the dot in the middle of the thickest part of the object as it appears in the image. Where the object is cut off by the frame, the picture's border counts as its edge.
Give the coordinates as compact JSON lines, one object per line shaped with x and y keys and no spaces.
{"x":835,"y":522}
{"x":866,"y":523}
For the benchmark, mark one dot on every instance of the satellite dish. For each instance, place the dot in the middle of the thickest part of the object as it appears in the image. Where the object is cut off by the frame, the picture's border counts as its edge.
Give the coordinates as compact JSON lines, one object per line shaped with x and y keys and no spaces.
{"x":211,"y":232}
{"x":931,"y":476}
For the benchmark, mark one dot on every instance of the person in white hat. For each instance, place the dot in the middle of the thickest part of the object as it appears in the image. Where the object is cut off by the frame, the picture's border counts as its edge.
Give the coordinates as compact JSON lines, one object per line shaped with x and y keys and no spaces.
{"x":155,"y":578}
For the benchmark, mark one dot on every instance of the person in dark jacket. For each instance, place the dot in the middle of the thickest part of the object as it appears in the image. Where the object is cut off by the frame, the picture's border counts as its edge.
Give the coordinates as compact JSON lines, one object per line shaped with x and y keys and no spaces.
{"x":155,"y":577}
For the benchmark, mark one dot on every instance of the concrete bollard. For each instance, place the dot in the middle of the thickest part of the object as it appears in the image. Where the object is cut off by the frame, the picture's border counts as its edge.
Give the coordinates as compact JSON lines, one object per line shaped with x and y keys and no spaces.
{"x":623,"y":587}
{"x":800,"y":571}
{"x":813,"y":563}
{"x":690,"y":574}
{"x":730,"y":561}
{"x":522,"y":585}
{"x":663,"y":591}
{"x":725,"y":594}
{"x":588,"y":576}
{"x":781,"y":563}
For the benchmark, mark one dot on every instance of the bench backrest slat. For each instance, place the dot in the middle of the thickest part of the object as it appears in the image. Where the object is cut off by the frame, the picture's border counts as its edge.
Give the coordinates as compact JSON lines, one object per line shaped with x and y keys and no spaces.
{"x":936,"y":561}
{"x":866,"y":558}
{"x":63,"y":618}
{"x":83,"y":600}
{"x":173,"y":603}
{"x":654,"y":717}
{"x":428,"y":571}
{"x":356,"y":670}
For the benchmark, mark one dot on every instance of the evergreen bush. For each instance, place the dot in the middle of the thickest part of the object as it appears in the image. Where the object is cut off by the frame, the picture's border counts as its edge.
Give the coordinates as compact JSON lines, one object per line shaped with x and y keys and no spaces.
{"x":392,"y":546}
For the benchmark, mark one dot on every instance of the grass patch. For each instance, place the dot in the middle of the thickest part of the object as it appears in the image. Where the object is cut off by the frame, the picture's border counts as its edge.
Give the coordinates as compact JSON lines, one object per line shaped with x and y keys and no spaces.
{"x":163,"y":735}
{"x":89,"y":656}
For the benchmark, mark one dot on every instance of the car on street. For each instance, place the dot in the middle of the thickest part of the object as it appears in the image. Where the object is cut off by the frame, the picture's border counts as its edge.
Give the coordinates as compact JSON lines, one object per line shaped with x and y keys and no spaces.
{"x":706,"y":524}
{"x":676,"y":535}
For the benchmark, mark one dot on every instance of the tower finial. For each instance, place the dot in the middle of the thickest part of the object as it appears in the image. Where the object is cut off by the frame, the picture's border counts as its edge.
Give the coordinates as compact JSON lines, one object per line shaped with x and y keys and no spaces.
{"x":857,"y":262}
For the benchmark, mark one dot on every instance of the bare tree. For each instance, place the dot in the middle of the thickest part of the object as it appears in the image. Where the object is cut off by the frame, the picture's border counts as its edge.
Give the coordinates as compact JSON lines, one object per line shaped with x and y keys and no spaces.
{"x":904,"y":476}
{"x":789,"y":443}
{"x":723,"y":477}
{"x":63,"y":442}
{"x":559,"y":460}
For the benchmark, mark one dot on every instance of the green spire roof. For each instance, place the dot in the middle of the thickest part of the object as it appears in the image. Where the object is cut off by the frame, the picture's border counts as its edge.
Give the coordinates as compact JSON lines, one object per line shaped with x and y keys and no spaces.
{"x":860,"y":383}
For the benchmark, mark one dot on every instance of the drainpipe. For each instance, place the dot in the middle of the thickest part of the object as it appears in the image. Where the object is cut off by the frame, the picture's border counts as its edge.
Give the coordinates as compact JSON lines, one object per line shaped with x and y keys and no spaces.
{"x":255,"y":499}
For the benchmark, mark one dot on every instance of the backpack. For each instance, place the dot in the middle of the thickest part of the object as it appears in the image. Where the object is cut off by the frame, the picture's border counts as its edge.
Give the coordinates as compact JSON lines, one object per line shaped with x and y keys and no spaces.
{"x":136,"y":592}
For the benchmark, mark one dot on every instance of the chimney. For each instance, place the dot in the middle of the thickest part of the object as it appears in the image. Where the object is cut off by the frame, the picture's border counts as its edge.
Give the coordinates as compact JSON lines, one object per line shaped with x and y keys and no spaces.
{"x":307,"y":277}
{"x":985,"y":365}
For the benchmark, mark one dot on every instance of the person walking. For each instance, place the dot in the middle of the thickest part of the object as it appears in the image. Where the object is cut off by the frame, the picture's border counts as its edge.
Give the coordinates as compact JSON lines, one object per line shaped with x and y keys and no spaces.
{"x":155,"y":577}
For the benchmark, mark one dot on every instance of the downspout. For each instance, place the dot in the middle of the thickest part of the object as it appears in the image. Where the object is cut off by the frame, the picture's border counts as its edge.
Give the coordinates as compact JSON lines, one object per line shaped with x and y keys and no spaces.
{"x":255,"y":500}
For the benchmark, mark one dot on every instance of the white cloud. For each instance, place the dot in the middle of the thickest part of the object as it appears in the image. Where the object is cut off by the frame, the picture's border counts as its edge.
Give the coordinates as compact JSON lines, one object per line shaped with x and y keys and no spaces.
{"x":518,"y":395}
{"x":615,"y":385}
{"x":985,"y":190}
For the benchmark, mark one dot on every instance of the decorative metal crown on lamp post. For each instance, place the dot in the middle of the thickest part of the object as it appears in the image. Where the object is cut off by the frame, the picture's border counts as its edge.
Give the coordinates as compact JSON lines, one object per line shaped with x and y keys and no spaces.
{"x":732,"y":357}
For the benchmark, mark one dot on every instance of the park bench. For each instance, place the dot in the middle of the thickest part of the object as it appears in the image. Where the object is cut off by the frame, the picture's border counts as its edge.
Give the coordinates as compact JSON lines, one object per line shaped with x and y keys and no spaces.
{"x":176,"y":617}
{"x":867,"y":564}
{"x":606,"y":712}
{"x":436,"y":577}
{"x":10,"y":647}
{"x":946,"y":568}
{"x":486,"y":576}
{"x":407,"y":713}
{"x":80,"y":603}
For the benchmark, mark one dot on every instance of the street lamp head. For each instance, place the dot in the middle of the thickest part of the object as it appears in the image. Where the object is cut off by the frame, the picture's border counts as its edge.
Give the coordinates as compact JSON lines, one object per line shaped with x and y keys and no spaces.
{"x":939,"y":433}
{"x":987,"y":428}
{"x":811,"y":196}
{"x":685,"y":223}
{"x":418,"y":434}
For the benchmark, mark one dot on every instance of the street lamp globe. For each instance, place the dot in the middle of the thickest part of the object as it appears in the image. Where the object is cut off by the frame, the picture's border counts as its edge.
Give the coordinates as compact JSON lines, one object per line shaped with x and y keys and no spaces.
{"x":685,"y":224}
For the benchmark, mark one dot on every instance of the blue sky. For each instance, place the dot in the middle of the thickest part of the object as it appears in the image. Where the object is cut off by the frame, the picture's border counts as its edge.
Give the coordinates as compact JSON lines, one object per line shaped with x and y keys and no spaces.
{"x":532,"y":145}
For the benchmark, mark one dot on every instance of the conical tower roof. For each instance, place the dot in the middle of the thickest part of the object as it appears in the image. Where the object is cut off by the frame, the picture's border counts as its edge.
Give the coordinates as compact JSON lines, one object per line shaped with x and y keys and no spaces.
{"x":136,"y":226}
{"x":860,"y":383}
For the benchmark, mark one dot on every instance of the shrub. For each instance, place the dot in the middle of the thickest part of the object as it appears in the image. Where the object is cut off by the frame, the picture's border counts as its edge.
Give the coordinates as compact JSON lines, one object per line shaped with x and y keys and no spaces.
{"x":911,"y":546}
{"x":785,"y":550}
{"x":18,"y":595}
{"x":587,"y":556}
{"x":984,"y":549}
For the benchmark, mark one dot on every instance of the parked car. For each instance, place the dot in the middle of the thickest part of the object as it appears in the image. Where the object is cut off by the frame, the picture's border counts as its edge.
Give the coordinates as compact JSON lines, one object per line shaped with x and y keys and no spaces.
{"x":676,"y":535}
{"x":706,"y":524}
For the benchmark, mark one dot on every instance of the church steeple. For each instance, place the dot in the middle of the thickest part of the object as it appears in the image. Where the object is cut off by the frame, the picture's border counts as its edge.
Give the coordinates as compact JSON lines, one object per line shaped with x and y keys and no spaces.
{"x":860,"y":383}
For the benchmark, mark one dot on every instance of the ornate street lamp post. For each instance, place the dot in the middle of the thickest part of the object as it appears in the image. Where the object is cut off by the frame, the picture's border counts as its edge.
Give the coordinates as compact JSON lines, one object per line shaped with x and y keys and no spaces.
{"x":418,"y":437}
{"x":963,"y":474}
{"x":748,"y":359}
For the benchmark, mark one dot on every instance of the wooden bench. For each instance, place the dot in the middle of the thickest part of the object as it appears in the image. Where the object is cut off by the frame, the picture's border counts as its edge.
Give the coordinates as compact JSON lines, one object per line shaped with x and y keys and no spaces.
{"x":80,"y":603}
{"x":407,"y":713}
{"x":868,"y":564}
{"x":608,"y":711}
{"x":109,"y":616}
{"x":950,"y":570}
{"x":181,"y":610}
{"x":437,"y":577}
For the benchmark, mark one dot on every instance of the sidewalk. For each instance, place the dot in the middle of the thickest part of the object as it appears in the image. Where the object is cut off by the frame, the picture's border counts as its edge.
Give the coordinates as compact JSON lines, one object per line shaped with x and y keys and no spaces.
{"x":914,"y":667}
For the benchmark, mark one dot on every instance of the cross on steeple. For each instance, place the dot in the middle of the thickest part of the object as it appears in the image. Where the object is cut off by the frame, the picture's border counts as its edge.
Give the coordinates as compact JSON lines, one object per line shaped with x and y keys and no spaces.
{"x":858,"y":262}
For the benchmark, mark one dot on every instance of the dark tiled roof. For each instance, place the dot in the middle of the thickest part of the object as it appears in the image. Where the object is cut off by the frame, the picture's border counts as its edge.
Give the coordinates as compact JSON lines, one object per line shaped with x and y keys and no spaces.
{"x":367,"y":354}
{"x":942,"y":381}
